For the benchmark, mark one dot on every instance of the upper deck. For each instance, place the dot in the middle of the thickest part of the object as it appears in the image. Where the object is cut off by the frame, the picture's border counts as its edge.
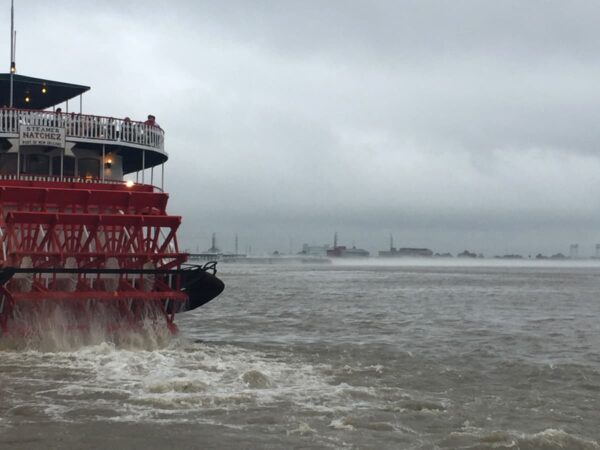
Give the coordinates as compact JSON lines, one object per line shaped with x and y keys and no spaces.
{"x":129,"y":138}
{"x":133,"y":146}
{"x":85,"y":128}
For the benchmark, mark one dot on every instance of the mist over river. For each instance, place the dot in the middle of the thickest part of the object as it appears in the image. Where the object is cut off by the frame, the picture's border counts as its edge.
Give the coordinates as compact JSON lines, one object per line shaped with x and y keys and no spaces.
{"x":484,"y":355}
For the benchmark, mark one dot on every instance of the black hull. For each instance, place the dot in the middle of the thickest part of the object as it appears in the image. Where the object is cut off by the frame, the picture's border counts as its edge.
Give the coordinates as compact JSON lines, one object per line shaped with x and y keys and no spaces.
{"x":199,"y":282}
{"x":201,"y":286}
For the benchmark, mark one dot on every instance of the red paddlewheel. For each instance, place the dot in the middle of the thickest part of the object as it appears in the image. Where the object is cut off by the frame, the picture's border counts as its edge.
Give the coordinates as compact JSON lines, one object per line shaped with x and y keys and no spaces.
{"x":89,"y":255}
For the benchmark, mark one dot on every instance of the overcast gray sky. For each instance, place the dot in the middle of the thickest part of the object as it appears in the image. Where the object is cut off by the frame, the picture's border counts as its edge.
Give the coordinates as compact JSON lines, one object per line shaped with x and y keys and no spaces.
{"x":450,"y":124}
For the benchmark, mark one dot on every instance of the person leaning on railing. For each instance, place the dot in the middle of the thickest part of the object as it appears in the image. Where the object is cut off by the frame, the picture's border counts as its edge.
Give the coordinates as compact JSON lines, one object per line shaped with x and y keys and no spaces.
{"x":151,"y":121}
{"x":57,"y":119}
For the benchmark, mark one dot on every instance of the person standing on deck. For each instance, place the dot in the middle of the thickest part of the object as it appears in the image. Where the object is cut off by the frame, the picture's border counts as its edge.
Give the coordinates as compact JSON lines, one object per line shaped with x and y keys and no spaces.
{"x":151,"y":121}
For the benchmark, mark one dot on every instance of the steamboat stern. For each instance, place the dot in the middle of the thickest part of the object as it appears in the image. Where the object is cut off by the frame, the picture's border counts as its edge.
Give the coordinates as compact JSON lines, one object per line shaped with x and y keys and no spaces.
{"x":74,"y":235}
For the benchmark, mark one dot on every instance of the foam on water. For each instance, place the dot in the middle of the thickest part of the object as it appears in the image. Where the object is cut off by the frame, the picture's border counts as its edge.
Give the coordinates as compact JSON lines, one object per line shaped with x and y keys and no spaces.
{"x":470,"y":437}
{"x":56,"y":326}
{"x":172,"y":383}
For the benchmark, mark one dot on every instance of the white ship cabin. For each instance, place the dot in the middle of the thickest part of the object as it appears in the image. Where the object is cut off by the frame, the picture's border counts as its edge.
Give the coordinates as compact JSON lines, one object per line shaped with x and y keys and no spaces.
{"x":40,"y":141}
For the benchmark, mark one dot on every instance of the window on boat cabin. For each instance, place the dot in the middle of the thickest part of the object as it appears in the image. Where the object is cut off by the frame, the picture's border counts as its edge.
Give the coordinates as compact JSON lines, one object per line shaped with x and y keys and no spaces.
{"x":68,"y":169}
{"x":88,"y":168}
{"x":35,"y":164}
{"x":8,"y":164}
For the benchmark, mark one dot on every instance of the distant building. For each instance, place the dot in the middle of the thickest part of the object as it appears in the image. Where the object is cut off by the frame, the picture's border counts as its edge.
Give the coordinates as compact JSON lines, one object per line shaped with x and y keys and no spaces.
{"x":212,"y":254}
{"x":467,"y":254}
{"x":213,"y":248}
{"x":404,"y":252}
{"x":314,"y":250}
{"x":574,"y":251}
{"x":509,"y":256}
{"x":341,"y":251}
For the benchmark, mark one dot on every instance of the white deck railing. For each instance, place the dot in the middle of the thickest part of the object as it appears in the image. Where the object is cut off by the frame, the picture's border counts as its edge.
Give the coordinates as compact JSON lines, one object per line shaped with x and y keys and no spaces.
{"x":83,"y":126}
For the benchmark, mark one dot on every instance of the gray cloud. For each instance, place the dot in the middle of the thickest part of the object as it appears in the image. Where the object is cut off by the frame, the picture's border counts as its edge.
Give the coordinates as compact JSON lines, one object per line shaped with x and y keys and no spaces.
{"x":450,"y":124}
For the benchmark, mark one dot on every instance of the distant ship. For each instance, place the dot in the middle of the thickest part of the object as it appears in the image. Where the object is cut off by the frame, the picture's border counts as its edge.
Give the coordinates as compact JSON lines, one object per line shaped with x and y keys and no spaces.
{"x":405,"y":252}
{"x":214,"y":253}
{"x":341,"y":251}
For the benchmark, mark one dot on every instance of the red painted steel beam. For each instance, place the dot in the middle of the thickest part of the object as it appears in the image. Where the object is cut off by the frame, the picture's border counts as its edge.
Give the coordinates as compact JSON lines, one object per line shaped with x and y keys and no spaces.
{"x":49,"y":218}
{"x":98,"y":295}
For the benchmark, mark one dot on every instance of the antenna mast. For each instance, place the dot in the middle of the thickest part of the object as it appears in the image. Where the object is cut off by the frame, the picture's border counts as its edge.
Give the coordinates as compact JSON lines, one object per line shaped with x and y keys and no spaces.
{"x":13,"y":36}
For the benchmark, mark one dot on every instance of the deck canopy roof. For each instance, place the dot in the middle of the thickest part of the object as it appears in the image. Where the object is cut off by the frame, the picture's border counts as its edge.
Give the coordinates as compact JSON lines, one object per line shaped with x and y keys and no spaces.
{"x":56,"y":92}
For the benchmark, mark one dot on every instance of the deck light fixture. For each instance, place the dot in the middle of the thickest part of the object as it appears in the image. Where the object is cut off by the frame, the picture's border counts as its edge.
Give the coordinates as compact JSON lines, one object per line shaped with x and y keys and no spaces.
{"x":13,"y":67}
{"x":108,"y":163}
{"x":129,"y":183}
{"x":27,"y":98}
{"x":44,"y":89}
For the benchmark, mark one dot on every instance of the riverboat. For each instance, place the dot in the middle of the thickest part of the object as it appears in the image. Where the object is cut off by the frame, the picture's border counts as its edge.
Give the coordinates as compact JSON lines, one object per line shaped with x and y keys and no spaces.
{"x":75,"y":237}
